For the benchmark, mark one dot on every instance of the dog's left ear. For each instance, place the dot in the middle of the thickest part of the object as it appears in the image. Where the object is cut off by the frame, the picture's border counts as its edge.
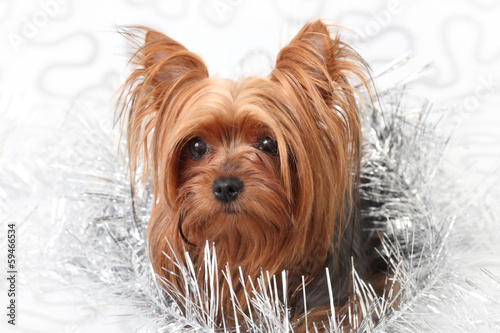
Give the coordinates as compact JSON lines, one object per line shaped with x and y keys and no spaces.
{"x":318,"y":75}
{"x":319,"y":63}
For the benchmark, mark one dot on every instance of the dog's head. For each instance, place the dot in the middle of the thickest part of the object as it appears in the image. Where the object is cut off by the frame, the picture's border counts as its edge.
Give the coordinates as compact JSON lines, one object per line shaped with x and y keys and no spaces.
{"x":264,"y":167}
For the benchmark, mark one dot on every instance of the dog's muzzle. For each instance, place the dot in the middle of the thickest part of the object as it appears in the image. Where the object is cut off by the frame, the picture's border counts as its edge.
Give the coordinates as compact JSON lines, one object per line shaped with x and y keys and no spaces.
{"x":227,"y":189}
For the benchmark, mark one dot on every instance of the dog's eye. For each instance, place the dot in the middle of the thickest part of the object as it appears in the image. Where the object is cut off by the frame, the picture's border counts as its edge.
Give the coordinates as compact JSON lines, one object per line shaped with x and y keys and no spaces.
{"x":197,"y":148}
{"x":268,"y":146}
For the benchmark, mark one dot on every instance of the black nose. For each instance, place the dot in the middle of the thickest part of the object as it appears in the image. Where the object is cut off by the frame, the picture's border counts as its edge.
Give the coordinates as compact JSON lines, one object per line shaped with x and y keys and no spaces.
{"x":226,"y":189}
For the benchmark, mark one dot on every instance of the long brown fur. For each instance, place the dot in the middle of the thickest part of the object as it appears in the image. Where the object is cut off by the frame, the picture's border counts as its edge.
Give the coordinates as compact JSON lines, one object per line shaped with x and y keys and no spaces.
{"x":298,"y":209}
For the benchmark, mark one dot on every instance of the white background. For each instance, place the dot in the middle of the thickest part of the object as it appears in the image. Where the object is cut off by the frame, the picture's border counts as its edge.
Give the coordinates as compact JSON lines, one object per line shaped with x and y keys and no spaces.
{"x":54,"y":51}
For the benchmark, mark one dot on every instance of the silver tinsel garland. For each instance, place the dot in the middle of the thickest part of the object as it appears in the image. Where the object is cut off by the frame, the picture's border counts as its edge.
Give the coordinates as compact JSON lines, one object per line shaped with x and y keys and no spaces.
{"x":442,"y":245}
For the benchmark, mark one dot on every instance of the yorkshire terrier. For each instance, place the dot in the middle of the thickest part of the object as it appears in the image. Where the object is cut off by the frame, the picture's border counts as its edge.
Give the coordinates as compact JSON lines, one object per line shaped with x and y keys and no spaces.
{"x":267,"y":169}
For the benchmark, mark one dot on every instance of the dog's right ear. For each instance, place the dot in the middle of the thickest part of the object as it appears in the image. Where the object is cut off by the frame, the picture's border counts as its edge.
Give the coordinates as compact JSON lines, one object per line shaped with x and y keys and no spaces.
{"x":160,"y":63}
{"x":168,"y":61}
{"x":162,"y":70}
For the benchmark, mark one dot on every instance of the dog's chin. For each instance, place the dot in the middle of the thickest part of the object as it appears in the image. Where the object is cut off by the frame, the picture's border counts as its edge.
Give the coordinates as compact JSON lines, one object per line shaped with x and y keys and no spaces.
{"x":231,"y":210}
{"x":226,"y":215}
{"x":202,"y":226}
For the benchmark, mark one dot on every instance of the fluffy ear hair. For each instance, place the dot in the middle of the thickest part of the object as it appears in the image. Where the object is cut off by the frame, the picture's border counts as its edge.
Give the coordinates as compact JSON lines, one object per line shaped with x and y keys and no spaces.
{"x":327,"y":64}
{"x":163,"y":68}
{"x":318,"y":73}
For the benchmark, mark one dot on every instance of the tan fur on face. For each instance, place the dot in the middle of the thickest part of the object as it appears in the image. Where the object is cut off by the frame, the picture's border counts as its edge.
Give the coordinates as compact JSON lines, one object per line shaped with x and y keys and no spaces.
{"x":294,"y":206}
